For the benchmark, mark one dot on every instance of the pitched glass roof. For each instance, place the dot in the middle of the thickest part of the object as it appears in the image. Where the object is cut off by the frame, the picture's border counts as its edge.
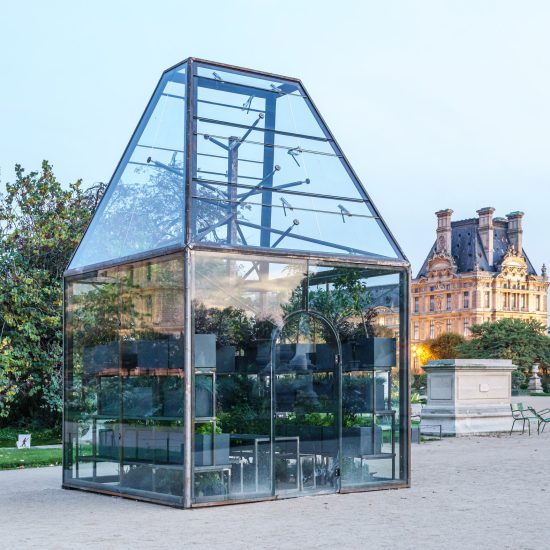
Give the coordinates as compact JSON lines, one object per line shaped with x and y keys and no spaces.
{"x":266,"y":173}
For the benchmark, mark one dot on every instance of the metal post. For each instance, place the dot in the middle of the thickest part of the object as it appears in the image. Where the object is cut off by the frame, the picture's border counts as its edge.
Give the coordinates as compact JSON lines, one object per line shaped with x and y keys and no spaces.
{"x":188,"y":379}
{"x":404,"y":379}
{"x":190,"y":228}
{"x":190,"y":153}
{"x":269,"y":162}
{"x":232,"y":176}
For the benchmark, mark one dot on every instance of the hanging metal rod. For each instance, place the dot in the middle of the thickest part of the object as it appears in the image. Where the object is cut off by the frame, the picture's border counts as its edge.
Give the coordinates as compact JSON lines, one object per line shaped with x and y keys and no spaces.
{"x":295,"y":222}
{"x":345,"y":212}
{"x":225,"y":158}
{"x":172,"y":95}
{"x":165,"y":167}
{"x":291,"y":192}
{"x":205,"y":232}
{"x":244,"y":126}
{"x":260,"y":189}
{"x":244,"y":196}
{"x":225,"y":174}
{"x":228,"y":105}
{"x":244,"y":89}
{"x":328,"y":244}
{"x":160,"y":148}
{"x":283,"y":206}
{"x":272,"y":145}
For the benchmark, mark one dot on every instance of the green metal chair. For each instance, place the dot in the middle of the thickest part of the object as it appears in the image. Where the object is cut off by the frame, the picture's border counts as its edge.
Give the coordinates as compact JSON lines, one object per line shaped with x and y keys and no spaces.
{"x":520,"y":414}
{"x":543,"y":418}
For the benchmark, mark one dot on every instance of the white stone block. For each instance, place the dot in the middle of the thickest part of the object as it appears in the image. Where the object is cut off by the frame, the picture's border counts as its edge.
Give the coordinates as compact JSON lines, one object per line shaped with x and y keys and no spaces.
{"x":468,"y":396}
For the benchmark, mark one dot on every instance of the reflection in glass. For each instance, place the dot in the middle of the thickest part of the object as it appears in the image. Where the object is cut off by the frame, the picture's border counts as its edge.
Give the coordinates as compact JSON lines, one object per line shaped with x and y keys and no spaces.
{"x":124,"y":386}
{"x":268,"y":173}
{"x":229,"y":194}
{"x":360,"y":303}
{"x":143,"y":208}
{"x":237,"y":302}
{"x":306,"y":375}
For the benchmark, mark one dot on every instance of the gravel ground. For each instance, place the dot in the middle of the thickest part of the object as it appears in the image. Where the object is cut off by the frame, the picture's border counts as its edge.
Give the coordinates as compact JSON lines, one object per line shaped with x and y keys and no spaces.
{"x":468,"y":493}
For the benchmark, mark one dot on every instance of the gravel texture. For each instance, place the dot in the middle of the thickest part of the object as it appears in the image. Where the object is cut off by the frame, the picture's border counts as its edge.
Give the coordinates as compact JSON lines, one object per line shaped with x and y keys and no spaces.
{"x":468,"y":493}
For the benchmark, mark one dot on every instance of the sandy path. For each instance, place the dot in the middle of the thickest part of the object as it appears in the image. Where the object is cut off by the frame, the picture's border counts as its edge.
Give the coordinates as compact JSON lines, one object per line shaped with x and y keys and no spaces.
{"x":468,"y":493}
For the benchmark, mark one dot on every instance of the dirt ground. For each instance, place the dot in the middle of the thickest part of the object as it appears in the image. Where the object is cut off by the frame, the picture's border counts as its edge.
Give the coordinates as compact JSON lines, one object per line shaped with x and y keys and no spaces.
{"x":468,"y":493}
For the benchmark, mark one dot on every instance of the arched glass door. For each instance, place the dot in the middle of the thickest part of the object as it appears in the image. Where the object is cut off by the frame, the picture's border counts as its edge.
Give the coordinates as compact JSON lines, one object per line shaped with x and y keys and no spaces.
{"x":306,"y":405}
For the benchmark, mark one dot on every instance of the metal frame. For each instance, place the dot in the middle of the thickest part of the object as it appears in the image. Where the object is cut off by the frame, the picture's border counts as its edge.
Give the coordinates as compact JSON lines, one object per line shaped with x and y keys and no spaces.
{"x":337,"y":371}
{"x":189,"y":245}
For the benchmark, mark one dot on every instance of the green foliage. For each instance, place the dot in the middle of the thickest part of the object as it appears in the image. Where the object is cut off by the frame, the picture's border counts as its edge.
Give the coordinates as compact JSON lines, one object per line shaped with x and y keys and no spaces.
{"x":519,"y":380}
{"x":241,"y":405}
{"x":445,"y":346}
{"x":232,"y":326}
{"x":29,"y":458}
{"x":522,"y":341}
{"x":416,"y":398}
{"x":419,"y":382}
{"x":347,"y":305}
{"x":47,"y":436}
{"x":40,"y":225}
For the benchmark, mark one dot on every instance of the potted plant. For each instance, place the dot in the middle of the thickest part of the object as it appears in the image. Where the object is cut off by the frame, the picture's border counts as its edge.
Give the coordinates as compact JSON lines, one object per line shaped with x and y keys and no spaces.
{"x":205,"y":439}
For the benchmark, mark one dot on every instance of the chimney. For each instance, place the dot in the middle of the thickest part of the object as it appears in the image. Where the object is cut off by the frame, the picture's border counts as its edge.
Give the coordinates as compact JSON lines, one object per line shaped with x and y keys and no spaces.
{"x":443,"y":241}
{"x":486,"y":232}
{"x":515,"y":231}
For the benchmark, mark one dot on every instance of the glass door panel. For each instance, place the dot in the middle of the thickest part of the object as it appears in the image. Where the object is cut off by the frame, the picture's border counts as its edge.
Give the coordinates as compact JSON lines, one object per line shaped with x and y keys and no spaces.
{"x":306,"y":373}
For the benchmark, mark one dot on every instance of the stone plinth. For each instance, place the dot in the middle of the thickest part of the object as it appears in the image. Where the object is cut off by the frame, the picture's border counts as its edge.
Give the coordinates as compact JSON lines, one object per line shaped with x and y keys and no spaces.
{"x":468,"y":396}
{"x":535,"y":384}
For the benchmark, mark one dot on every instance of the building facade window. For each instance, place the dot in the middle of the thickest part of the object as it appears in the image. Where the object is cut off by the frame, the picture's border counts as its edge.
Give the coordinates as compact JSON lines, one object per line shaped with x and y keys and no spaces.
{"x":449,"y":302}
{"x":466,"y":300}
{"x":466,"y":327}
{"x":538,"y":303}
{"x":417,"y":304}
{"x":432,"y":329}
{"x":449,"y":325}
{"x":416,"y":331}
{"x":487,"y":299}
{"x":513,"y":304}
{"x":432,"y":303}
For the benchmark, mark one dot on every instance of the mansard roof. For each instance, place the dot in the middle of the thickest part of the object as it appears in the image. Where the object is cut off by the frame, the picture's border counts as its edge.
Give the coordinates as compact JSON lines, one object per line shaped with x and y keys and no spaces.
{"x":467,"y":247}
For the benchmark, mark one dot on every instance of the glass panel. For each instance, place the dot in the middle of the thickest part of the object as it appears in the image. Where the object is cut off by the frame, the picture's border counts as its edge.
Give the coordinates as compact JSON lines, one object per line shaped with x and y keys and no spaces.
{"x":295,"y":222}
{"x":237,"y":302}
{"x":143,"y":208}
{"x":306,"y":378}
{"x":92,"y":380}
{"x":124,"y":387}
{"x":265,"y":134}
{"x":236,"y":76}
{"x":364,"y":305}
{"x":311,"y":166}
{"x":241,"y":105}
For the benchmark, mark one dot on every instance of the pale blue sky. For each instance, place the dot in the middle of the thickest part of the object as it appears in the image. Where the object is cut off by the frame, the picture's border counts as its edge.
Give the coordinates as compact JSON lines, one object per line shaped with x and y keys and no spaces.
{"x":436,"y":103}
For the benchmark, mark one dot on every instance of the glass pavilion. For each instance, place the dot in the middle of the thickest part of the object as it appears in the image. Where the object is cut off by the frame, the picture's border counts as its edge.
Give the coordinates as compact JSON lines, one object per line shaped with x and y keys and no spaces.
{"x":236,"y":315}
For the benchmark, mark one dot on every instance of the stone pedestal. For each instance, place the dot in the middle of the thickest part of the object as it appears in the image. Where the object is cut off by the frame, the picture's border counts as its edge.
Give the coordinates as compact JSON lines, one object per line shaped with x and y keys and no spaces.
{"x":468,"y":396}
{"x":535,"y":384}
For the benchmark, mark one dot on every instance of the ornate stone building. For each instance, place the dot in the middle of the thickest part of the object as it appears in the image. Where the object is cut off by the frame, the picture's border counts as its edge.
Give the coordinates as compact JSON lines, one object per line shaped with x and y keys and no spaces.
{"x":476,"y":271}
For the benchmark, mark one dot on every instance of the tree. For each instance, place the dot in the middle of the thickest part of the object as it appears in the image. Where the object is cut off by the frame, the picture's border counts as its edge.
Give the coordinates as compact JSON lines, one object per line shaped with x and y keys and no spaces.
{"x":40,"y":225}
{"x":348,"y":305}
{"x":522,"y":341}
{"x":423,"y":353}
{"x":445,"y":346}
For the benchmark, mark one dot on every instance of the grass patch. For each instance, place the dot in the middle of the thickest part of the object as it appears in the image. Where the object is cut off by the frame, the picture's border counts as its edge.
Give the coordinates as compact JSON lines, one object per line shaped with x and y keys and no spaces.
{"x":29,"y":458}
{"x":44,"y":436}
